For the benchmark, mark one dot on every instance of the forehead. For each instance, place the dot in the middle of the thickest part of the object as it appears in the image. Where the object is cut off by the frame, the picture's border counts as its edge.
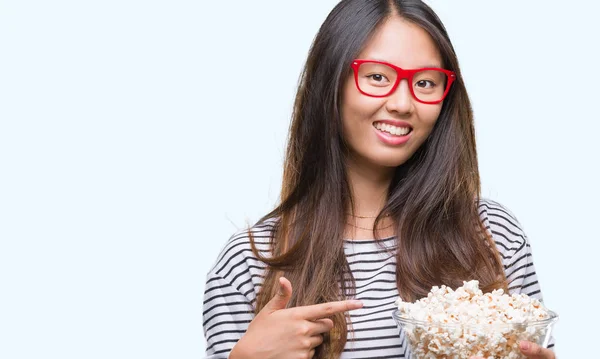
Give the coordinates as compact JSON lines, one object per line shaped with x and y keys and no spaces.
{"x":403,"y":44}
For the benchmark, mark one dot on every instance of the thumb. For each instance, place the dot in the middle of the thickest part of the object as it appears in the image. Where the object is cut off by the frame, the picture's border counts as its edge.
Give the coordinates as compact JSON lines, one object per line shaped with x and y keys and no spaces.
{"x":282,"y":297}
{"x":534,"y":351}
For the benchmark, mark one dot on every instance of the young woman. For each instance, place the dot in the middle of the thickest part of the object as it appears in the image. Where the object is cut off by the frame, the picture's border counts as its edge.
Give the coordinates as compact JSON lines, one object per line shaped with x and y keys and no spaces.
{"x":380,"y":199}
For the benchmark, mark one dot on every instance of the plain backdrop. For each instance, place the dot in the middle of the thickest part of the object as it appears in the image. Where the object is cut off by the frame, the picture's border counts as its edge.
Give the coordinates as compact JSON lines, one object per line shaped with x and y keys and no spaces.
{"x":137,"y":136}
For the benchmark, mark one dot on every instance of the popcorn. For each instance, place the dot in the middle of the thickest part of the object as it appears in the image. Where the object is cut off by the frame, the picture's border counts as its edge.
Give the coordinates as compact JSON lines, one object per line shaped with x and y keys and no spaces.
{"x":458,"y":324}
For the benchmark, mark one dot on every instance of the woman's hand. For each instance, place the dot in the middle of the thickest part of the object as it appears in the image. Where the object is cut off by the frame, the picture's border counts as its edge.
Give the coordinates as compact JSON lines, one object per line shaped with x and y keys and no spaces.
{"x":294,"y":333}
{"x":532,"y":351}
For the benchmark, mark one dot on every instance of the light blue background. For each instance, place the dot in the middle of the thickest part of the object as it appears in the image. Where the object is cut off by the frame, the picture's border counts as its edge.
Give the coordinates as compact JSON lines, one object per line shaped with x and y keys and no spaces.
{"x":137,"y":136}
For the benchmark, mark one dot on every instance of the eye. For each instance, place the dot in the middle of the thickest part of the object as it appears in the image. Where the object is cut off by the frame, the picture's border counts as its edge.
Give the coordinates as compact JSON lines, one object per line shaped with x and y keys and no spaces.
{"x":425,"y":84}
{"x":378,"y":78}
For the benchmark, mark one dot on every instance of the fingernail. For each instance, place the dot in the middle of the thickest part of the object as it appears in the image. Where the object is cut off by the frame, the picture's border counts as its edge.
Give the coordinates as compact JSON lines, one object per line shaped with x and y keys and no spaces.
{"x":524,"y":346}
{"x":358,"y":303}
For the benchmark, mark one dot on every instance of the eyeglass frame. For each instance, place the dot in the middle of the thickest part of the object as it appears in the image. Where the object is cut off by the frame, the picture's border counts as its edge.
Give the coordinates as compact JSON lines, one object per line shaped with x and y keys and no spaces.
{"x":403,"y":74}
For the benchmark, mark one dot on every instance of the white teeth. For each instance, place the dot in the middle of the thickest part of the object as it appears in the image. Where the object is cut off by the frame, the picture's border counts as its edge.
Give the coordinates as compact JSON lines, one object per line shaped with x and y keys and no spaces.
{"x":397,"y":131}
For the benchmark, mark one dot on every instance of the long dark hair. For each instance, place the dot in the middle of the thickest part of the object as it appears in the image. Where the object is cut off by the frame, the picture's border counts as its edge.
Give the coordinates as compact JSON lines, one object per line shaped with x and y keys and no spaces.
{"x":433,"y":197}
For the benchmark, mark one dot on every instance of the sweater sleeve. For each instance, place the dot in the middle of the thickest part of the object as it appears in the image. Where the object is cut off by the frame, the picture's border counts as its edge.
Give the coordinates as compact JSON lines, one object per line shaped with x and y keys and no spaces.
{"x":231,"y":288}
{"x":515,"y":250}
{"x":226,"y":316}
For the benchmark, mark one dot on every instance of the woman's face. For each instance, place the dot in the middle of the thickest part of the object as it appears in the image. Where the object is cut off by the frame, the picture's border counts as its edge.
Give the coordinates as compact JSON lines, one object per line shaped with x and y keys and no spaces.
{"x":407,"y":46}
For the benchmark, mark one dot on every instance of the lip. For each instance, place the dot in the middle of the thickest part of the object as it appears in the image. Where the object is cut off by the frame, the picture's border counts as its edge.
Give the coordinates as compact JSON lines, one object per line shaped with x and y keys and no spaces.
{"x":390,"y":139}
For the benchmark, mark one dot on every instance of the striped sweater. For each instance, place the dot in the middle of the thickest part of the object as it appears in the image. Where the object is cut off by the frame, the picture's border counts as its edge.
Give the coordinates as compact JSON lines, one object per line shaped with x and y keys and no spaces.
{"x":235,"y":279}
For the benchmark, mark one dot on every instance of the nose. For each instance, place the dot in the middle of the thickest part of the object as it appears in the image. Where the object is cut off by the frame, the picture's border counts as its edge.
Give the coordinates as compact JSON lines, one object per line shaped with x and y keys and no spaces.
{"x":401,"y":99}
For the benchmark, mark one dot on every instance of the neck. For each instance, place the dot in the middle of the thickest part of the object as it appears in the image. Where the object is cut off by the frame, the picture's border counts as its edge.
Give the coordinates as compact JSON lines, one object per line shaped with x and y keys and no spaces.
{"x":369,"y":185}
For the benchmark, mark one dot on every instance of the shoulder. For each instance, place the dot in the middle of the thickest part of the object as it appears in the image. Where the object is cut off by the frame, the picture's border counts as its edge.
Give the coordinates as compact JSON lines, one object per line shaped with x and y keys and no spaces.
{"x":514,"y":248}
{"x":236,"y":264}
{"x":503,"y":226}
{"x":238,"y":247}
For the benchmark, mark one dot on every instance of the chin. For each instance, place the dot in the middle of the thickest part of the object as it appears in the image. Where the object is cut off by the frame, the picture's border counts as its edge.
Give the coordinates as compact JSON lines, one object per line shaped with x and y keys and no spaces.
{"x":389,"y":160}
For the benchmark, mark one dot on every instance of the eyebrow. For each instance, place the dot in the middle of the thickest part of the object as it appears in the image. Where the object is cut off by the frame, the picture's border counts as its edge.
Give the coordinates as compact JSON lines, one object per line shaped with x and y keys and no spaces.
{"x":436,"y":66}
{"x":419,"y":67}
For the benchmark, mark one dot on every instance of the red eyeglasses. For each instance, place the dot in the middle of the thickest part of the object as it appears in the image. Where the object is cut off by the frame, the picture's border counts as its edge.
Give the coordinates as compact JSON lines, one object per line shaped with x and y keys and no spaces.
{"x":428,"y":85}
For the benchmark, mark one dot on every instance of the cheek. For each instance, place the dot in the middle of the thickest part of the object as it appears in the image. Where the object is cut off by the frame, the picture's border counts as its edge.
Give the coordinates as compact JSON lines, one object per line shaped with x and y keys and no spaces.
{"x":428,"y":115}
{"x":357,"y":107}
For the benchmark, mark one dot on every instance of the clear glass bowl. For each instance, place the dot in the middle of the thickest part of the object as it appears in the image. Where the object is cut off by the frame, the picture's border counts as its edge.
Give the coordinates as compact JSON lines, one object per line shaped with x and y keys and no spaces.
{"x":455,"y":341}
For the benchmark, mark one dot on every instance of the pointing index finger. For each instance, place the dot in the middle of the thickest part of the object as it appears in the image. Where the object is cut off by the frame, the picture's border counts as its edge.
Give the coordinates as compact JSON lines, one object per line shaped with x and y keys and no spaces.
{"x":324,"y":310}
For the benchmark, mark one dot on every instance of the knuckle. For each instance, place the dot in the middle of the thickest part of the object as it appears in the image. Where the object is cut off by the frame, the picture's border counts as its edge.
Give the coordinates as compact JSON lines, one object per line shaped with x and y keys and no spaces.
{"x":305,"y":343}
{"x":304,"y":329}
{"x":329,"y":309}
{"x":292,"y":313}
{"x":319,"y":340}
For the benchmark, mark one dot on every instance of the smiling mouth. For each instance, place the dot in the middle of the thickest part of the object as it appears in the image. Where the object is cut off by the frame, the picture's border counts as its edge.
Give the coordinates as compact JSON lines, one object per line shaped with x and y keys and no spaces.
{"x":392,"y":130}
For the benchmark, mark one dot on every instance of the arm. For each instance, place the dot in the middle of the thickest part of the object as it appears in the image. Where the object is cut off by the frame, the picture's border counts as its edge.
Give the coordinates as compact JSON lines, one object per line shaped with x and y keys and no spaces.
{"x":515,"y":250}
{"x":226,"y":316}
